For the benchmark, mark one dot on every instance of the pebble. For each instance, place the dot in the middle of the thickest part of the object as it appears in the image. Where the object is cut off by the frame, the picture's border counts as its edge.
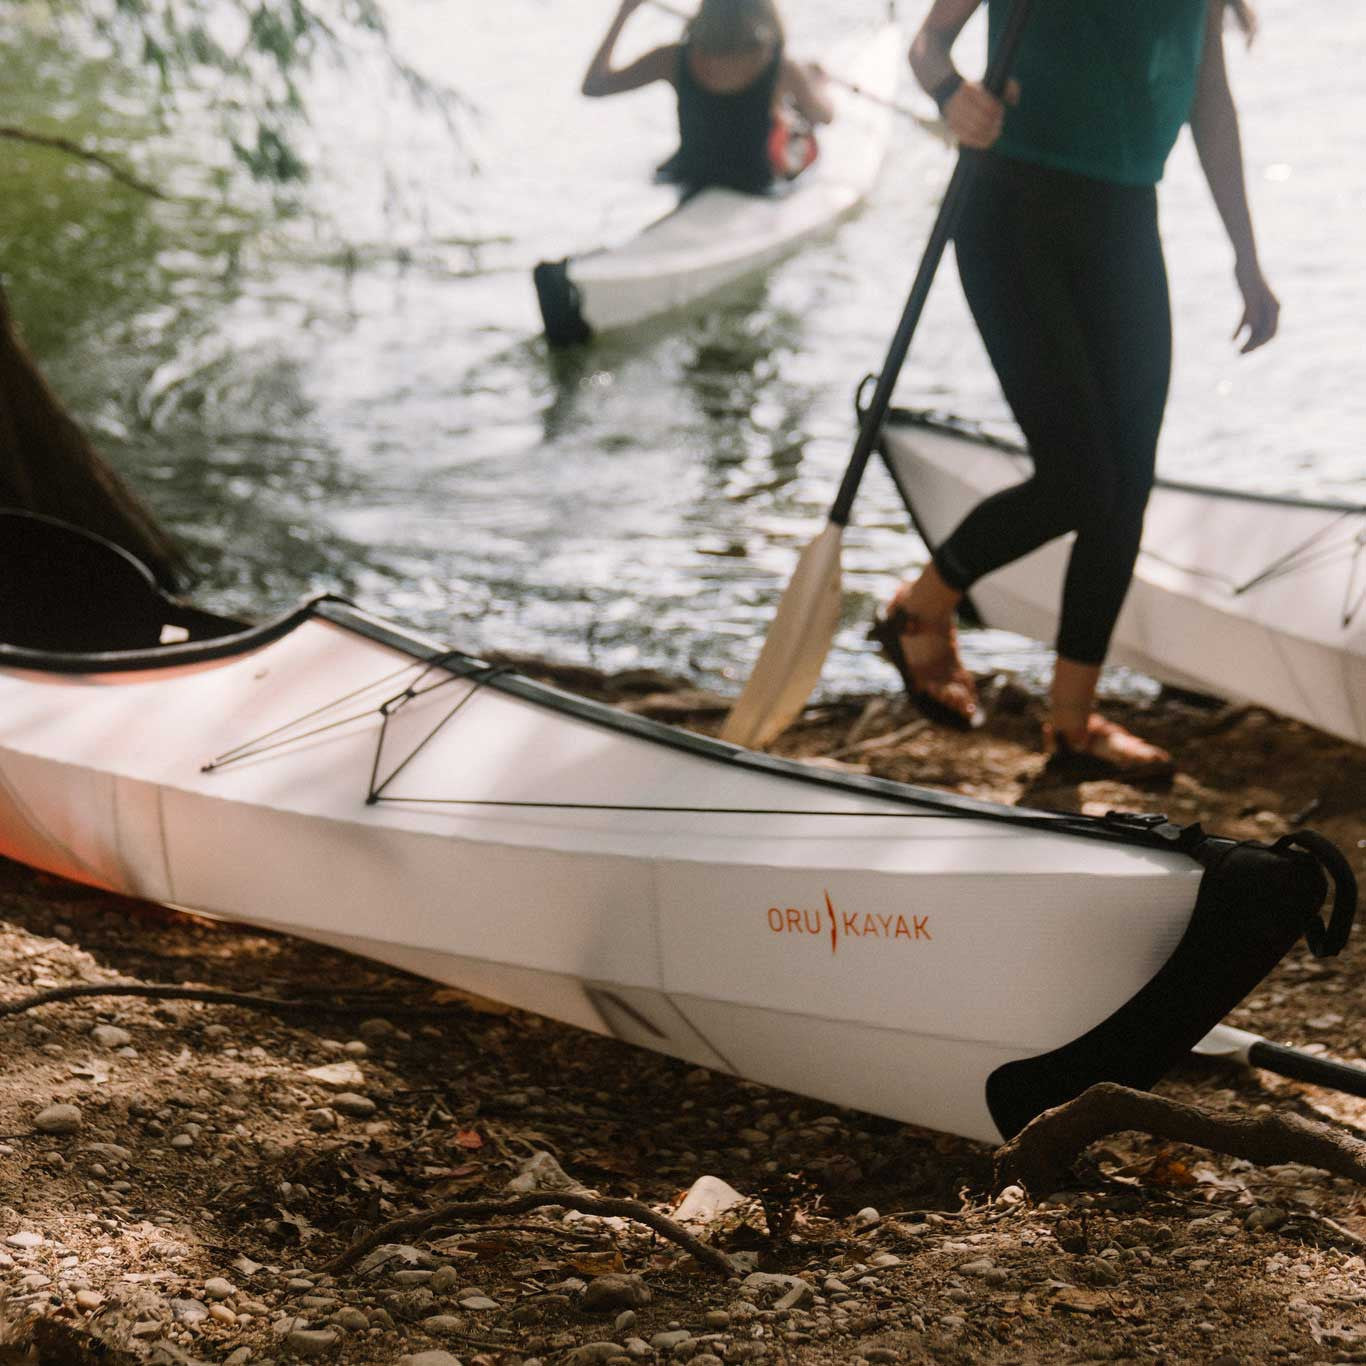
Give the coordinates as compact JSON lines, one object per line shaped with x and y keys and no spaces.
{"x":220,"y":1313}
{"x":111,"y":1036}
{"x":444,"y":1278}
{"x":607,"y":1293}
{"x":478,"y":1304}
{"x":357,"y":1049}
{"x":337,"y":1074}
{"x":352,"y":1319}
{"x":189,"y":1311}
{"x":799,"y":1295}
{"x":436,"y":1358}
{"x":322,"y":1120}
{"x":592,"y":1353}
{"x":666,"y":1342}
{"x":182,"y":1141}
{"x":867,"y":1217}
{"x":89,"y":1299}
{"x":624,"y":1321}
{"x":439,"y":1325}
{"x":58,"y":1119}
{"x":636,"y":1347}
{"x":884,"y":1259}
{"x":834,"y":1286}
{"x":716,"y":1319}
{"x":311,"y":1342}
{"x":238,"y":1358}
{"x":374,"y":1029}
{"x":25,"y":1239}
{"x":707,"y":1359}
{"x":354,"y":1105}
{"x":217,"y":1288}
{"x":979,"y":1267}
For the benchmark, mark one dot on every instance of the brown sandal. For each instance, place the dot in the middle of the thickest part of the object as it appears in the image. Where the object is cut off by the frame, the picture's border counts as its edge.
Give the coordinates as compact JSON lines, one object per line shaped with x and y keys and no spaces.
{"x":919,"y":680}
{"x":1106,"y":751}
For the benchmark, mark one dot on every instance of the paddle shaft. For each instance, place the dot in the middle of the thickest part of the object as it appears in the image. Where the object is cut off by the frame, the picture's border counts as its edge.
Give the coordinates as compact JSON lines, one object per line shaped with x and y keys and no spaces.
{"x":950,"y":209}
{"x":1291,"y":1062}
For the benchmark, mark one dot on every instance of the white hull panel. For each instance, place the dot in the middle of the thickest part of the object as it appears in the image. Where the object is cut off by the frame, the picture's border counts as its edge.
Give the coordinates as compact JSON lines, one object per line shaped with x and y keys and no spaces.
{"x":889,"y":960}
{"x":1253,"y":599}
{"x":719,"y":236}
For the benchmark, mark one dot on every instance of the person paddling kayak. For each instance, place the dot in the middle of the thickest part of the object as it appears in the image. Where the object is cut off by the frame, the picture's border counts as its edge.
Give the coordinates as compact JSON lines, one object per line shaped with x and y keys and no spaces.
{"x":1061,"y":262}
{"x":741,"y":100}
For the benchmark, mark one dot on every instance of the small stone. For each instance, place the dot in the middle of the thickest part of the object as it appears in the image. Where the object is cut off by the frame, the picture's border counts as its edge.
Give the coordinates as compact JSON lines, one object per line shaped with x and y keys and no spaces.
{"x":440,"y":1325}
{"x":182,"y":1141}
{"x":479,"y":1304}
{"x":217,"y":1288}
{"x":540,"y":1172}
{"x":716,"y":1319}
{"x":338,"y":1074}
{"x":189,"y":1311}
{"x":706,"y":1359}
{"x":624,"y":1322}
{"x":311,"y":1342}
{"x":592,"y":1353}
{"x":607,"y":1293}
{"x":979,"y":1267}
{"x":145,"y":1328}
{"x":884,"y":1259}
{"x":89,"y":1299}
{"x":352,"y":1319}
{"x":58,"y":1119}
{"x":867,"y":1217}
{"x":800,"y":1294}
{"x":111,"y":1036}
{"x":321,"y":1120}
{"x":353,"y":1105}
{"x":666,"y":1342}
{"x":357,"y":1049}
{"x":638,"y":1347}
{"x":220,"y":1313}
{"x":25,"y":1240}
{"x":444,"y":1278}
{"x":435,"y":1358}
{"x":238,"y":1358}
{"x":707,"y":1198}
{"x":371,"y":1030}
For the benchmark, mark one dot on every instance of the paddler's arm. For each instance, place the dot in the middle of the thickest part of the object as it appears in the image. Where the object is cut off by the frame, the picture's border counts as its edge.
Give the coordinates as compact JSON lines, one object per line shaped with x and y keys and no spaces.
{"x":1214,"y":125}
{"x":807,"y":86}
{"x":973,"y":113}
{"x":656,"y":65}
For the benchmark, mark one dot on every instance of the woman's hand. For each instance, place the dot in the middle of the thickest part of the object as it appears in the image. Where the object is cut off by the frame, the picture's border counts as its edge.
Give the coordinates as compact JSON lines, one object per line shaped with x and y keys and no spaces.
{"x":1261,"y":308}
{"x":975,"y":116}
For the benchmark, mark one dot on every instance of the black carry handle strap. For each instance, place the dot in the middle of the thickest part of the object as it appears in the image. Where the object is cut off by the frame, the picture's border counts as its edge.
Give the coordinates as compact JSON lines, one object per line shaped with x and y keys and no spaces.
{"x":950,"y":210}
{"x":1326,"y":940}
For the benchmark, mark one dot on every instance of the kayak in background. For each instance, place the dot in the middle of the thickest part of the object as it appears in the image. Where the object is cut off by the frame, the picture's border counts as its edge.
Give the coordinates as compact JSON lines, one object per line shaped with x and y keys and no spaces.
{"x":1245,"y":596}
{"x":717,"y":236}
{"x":945,"y":961}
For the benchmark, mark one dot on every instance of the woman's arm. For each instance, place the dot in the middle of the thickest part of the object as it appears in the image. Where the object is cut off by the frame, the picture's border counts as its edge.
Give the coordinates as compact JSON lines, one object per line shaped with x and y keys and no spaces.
{"x":1214,"y":124}
{"x":805,"y":84}
{"x":973,"y":113}
{"x":657,"y":65}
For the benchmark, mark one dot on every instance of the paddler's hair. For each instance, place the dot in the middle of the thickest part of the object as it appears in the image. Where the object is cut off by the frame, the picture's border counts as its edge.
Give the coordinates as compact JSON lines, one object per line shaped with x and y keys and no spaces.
{"x":735,"y":25}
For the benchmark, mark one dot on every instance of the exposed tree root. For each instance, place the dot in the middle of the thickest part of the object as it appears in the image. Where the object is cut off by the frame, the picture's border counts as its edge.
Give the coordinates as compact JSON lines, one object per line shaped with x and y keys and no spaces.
{"x":461,"y":1211}
{"x":1039,"y":1156}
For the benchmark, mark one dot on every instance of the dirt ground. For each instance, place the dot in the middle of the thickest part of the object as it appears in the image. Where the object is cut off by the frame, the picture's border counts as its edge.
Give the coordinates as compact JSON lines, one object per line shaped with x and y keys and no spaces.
{"x":214,"y":1169}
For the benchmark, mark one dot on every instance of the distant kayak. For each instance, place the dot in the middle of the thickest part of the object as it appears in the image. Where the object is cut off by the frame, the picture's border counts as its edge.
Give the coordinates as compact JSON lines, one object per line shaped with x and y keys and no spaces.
{"x":945,"y":961}
{"x":1245,"y":596}
{"x":717,"y":237}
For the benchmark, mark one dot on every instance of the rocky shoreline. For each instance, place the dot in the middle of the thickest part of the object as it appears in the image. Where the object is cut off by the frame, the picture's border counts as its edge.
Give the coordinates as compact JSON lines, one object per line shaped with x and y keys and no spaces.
{"x":175,"y":1175}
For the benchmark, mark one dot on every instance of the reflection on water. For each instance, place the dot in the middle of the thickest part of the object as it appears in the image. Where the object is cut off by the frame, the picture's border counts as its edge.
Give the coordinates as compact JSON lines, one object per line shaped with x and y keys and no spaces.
{"x":354,"y":397}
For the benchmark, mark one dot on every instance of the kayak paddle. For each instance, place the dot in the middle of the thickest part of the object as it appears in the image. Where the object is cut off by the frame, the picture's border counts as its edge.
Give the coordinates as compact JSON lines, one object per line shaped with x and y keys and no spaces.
{"x":1237,"y":1045}
{"x":790,"y":662}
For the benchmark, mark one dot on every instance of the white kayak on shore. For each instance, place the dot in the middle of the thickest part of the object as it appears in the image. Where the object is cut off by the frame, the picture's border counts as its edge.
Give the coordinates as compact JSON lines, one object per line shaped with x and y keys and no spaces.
{"x":716,"y":236}
{"x":940,"y":960}
{"x":1245,"y":596}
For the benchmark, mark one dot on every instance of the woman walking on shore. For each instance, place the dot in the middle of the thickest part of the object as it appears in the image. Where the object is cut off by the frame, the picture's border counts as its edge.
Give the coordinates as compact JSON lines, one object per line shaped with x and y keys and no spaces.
{"x":1062,"y":266}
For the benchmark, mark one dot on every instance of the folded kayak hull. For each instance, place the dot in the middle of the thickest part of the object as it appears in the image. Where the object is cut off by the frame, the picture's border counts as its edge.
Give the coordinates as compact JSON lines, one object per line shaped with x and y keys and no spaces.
{"x":1248,"y":597}
{"x":335,"y":777}
{"x":718,"y":237}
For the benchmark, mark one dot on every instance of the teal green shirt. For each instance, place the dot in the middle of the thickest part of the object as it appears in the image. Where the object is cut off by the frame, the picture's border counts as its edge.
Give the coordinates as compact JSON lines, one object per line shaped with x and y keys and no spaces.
{"x":1105,"y":85}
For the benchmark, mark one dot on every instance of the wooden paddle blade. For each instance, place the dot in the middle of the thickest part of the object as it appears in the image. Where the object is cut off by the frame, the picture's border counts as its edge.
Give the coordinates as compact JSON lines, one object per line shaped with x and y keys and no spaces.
{"x":789,"y":665}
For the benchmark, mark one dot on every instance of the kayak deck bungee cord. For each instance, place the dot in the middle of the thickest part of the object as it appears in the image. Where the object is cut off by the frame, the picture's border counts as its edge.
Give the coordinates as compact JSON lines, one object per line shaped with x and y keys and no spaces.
{"x":1246,"y":596}
{"x":931,"y":957}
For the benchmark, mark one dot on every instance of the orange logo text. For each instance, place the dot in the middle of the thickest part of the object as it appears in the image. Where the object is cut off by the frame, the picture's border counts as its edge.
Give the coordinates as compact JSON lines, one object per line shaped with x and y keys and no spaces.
{"x":830,"y":923}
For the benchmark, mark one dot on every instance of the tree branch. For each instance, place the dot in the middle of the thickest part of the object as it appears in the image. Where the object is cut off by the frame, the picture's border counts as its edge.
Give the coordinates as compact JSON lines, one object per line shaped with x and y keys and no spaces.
{"x":712,"y":1258}
{"x":74,"y":149}
{"x":1039,"y":1156}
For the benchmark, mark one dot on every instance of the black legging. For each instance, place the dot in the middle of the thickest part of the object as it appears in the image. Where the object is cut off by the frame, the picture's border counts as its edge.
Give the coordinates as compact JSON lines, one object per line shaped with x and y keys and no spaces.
{"x":1065,"y":278}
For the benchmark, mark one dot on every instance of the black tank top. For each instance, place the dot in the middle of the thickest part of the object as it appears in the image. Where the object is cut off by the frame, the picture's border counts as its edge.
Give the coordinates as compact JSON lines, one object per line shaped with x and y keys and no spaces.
{"x":723,"y":138}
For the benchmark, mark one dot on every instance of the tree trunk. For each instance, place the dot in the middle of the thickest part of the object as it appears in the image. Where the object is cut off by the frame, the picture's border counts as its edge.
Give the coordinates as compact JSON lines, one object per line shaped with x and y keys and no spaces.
{"x":49,"y":466}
